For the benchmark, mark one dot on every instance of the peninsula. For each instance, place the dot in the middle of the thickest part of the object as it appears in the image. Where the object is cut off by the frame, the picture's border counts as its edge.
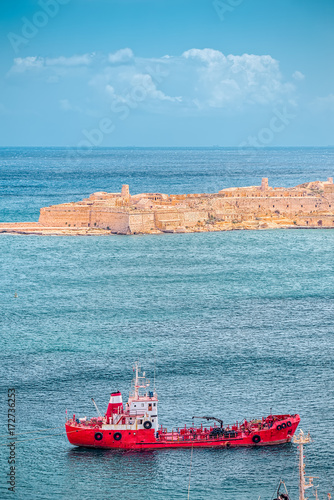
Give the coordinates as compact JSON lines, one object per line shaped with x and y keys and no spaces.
{"x":309,"y":205}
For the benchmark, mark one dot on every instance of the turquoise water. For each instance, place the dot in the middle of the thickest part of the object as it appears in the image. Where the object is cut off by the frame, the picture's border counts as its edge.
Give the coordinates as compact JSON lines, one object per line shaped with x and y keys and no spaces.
{"x":238,"y":322}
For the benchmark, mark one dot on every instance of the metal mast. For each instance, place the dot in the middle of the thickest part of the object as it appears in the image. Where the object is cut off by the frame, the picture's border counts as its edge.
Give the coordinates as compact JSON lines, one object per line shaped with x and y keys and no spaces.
{"x":302,"y":439}
{"x":139,"y":381}
{"x":136,"y":380}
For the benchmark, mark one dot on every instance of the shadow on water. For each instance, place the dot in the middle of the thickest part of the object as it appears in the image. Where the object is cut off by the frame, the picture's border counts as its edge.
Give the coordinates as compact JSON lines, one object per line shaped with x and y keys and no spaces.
{"x":97,"y":453}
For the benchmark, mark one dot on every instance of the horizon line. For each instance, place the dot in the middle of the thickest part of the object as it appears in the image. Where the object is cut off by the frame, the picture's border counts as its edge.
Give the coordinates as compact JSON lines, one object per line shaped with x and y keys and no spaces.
{"x":171,"y":147}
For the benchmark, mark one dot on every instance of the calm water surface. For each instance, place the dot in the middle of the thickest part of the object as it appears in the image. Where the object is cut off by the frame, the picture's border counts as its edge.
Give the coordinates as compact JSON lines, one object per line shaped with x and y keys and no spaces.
{"x":239,"y":322}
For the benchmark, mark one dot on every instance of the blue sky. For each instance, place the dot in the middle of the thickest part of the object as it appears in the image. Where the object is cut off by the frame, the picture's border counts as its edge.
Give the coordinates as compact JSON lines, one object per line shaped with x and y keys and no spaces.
{"x":167,"y":73}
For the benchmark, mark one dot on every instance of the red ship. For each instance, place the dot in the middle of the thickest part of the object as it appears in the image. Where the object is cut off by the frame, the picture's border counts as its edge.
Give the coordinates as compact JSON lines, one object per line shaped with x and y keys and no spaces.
{"x":136,"y":426}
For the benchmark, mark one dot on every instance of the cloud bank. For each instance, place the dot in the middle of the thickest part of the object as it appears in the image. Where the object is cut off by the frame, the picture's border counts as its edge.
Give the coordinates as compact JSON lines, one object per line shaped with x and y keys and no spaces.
{"x":197,"y":80}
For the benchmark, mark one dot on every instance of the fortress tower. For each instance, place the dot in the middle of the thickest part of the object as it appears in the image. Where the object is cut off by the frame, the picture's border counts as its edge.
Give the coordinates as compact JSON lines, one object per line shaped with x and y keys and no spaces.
{"x":125,"y":194}
{"x":329,"y":190}
{"x":125,"y":191}
{"x":264,"y":184}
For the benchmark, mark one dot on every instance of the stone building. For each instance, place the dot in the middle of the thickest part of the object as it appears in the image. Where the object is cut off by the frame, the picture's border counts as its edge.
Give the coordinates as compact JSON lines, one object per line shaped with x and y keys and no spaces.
{"x":307,"y":205}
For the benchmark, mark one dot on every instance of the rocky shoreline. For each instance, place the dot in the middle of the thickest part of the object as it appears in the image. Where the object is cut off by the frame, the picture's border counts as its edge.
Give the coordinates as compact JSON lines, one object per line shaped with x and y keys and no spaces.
{"x":19,"y":229}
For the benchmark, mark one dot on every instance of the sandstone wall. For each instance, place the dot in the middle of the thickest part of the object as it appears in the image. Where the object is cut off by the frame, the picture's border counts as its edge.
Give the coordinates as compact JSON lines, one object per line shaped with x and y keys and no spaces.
{"x":319,"y":220}
{"x":329,"y":192}
{"x":192,"y":217}
{"x":141,"y":222}
{"x":293,"y":205}
{"x":65,"y":216}
{"x":168,"y":220}
{"x":310,"y":204}
{"x":108,"y":218}
{"x":262,"y":205}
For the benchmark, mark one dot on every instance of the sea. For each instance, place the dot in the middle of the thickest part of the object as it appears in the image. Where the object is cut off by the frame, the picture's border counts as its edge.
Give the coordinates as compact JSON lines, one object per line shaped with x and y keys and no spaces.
{"x":234,"y":324}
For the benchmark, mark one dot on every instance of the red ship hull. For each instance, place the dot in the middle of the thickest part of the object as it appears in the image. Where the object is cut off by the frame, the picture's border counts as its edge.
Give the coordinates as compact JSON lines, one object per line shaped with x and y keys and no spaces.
{"x":274,"y":430}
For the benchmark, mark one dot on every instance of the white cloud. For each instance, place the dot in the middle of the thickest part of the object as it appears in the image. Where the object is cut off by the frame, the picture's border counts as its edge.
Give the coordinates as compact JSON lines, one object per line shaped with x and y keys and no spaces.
{"x":205,"y":55}
{"x":219,"y":80}
{"x":141,"y":89}
{"x":83,"y":60}
{"x":145,"y":81}
{"x":197,"y":80}
{"x":297,"y":75}
{"x":114,"y":97}
{"x":27,"y":63}
{"x":32,"y":63}
{"x":122,"y":56}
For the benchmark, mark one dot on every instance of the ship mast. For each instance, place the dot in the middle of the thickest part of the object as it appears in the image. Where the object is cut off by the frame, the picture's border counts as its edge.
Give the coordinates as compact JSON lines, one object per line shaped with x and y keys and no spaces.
{"x":139,"y":381}
{"x":136,"y":380}
{"x":301,"y":439}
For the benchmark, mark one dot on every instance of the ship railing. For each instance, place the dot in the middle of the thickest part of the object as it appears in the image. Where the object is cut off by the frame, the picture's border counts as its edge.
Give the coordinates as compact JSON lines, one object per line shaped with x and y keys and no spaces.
{"x":197,"y":433}
{"x":136,"y":413}
{"x":177,"y":437}
{"x":230,"y":431}
{"x":186,"y":435}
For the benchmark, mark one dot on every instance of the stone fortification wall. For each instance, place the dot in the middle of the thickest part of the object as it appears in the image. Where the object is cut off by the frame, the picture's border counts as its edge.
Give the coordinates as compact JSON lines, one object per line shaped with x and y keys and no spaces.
{"x":168,"y":219}
{"x":77,"y":216}
{"x":261,"y":205}
{"x":172,"y":219}
{"x":109,"y":218}
{"x":318,"y":220}
{"x":141,"y":222}
{"x":193,"y":217}
{"x":67,"y":215}
{"x":102,"y":196}
{"x":329,"y":191}
{"x":308,"y":204}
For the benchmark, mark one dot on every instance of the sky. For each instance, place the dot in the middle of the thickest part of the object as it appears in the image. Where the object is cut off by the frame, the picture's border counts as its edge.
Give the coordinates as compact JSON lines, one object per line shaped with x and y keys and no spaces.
{"x":116,"y":73}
